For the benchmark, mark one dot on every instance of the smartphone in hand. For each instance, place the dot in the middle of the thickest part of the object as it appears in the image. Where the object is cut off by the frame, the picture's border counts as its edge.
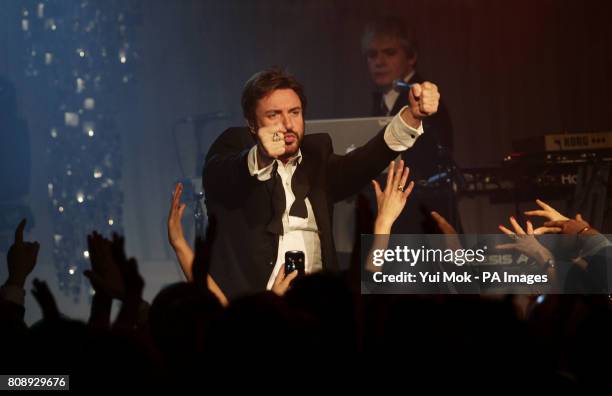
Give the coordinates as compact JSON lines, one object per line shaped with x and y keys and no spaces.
{"x":294,"y":261}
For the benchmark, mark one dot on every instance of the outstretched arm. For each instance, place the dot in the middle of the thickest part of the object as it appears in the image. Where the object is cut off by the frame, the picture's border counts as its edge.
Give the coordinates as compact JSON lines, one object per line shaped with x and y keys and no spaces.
{"x":226,"y":173}
{"x":350,"y":172}
{"x":390,"y":202}
{"x":176,"y":237}
{"x":184,"y":252}
{"x":21,"y":260}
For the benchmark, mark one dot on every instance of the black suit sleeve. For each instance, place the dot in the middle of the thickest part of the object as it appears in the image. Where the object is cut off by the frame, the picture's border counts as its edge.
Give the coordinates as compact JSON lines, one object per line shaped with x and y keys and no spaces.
{"x":226,"y":172}
{"x":351,"y":172}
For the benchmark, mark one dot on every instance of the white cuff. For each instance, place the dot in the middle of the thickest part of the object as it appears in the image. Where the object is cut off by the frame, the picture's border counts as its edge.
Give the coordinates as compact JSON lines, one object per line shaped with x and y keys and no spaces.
{"x":12,"y":293}
{"x":400,"y":136}
{"x":262,"y":174}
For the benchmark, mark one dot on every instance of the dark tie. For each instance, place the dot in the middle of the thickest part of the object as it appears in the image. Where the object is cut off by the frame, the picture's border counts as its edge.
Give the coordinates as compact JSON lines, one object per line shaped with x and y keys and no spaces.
{"x":300,"y":187}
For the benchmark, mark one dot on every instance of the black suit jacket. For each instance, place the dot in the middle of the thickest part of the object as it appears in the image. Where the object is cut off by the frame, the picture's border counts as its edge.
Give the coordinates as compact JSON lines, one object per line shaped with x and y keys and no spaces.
{"x":243,"y":250}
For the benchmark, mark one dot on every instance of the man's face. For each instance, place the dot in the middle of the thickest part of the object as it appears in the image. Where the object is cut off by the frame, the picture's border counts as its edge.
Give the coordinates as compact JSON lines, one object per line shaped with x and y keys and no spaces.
{"x":283,"y":106}
{"x":387,"y":61}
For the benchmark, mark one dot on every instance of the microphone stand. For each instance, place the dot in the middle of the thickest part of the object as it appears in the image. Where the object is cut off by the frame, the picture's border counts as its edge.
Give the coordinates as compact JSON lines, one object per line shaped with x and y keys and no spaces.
{"x":194,"y":197}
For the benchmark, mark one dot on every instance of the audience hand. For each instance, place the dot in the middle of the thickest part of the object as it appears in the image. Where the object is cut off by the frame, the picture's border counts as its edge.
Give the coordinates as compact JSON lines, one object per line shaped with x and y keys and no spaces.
{"x":175,"y":228}
{"x":45,"y":300}
{"x":452,"y":240}
{"x":392,"y":200}
{"x":282,"y":282}
{"x":21,"y":257}
{"x":549,"y":213}
{"x":128,"y":268}
{"x":176,"y":237}
{"x":572,"y":226}
{"x":105,"y":275}
{"x":525,"y":242}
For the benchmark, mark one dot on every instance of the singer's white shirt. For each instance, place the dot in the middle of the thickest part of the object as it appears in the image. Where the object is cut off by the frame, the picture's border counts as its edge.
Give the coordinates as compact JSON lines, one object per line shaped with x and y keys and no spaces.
{"x":303,"y":234}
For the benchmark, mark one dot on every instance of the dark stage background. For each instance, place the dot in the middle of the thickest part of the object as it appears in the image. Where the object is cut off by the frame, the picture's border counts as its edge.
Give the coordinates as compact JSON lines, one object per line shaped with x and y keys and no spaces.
{"x":506,"y":70}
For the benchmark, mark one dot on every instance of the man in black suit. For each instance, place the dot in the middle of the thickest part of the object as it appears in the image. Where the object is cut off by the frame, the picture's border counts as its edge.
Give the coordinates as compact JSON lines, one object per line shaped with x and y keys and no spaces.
{"x":391,"y":53}
{"x":270,"y":188}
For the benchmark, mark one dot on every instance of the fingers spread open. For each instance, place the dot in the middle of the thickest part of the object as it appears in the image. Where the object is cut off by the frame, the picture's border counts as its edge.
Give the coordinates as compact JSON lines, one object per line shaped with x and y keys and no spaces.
{"x":408,"y":189}
{"x":544,"y":205}
{"x":397,"y":177}
{"x":517,"y":227}
{"x":547,"y":230}
{"x":556,"y":223}
{"x":377,"y":189}
{"x":390,"y":175}
{"x":505,"y":230}
{"x":541,"y":213}
{"x":404,"y":176}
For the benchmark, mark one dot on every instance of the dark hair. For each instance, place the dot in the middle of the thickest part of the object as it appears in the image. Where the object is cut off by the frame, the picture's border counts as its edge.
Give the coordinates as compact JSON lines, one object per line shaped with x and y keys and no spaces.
{"x":390,"y":27}
{"x":263,"y":83}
